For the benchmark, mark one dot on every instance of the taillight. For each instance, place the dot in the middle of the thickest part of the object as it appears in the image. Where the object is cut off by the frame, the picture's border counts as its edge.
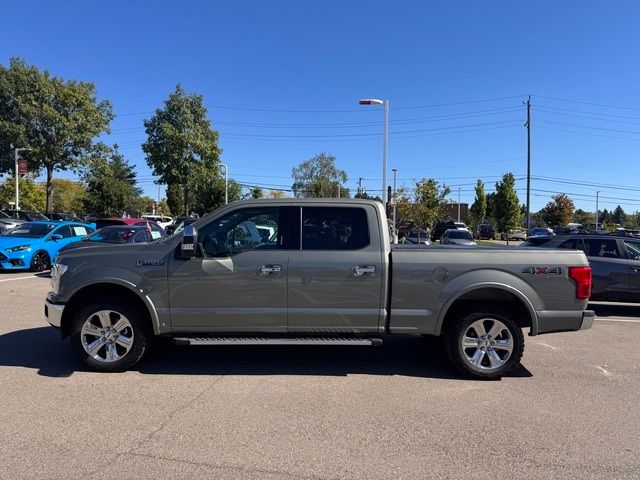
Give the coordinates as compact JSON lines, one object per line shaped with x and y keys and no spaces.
{"x":582,"y":277}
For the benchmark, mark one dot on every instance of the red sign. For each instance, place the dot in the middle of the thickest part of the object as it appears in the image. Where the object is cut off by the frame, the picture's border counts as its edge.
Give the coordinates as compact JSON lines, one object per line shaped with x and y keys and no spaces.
{"x":22,"y":167}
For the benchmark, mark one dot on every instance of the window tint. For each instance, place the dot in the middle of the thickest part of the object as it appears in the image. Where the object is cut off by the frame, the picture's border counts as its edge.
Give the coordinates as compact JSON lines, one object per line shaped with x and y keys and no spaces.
{"x":141,"y":237}
{"x":241,"y":230}
{"x":65,"y":231}
{"x":633,"y":249}
{"x":607,"y":248}
{"x":331,"y":228}
{"x":573,"y":244}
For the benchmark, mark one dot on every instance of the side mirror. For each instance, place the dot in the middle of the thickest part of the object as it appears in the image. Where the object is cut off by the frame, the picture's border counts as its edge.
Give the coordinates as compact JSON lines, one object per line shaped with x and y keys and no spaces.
{"x":55,"y":237}
{"x":189,"y":242}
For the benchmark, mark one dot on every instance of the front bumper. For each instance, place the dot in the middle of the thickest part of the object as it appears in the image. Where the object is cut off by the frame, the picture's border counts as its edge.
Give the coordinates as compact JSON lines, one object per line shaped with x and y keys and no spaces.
{"x":53,"y":313}
{"x":15,"y":260}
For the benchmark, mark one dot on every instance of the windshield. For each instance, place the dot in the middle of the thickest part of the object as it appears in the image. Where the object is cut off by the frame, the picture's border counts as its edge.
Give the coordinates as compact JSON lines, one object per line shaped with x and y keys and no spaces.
{"x":3,"y":215}
{"x":31,"y":230}
{"x":459,"y":235}
{"x":111,"y":235}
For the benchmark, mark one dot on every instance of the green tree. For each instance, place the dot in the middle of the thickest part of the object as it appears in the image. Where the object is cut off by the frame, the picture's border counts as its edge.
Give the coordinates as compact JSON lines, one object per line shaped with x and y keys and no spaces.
{"x":57,"y":120}
{"x":507,"y":206}
{"x":428,"y":199}
{"x":618,"y":216}
{"x":208,"y":195}
{"x":68,"y":195}
{"x":111,"y":184}
{"x":181,"y":143}
{"x":163,"y":207}
{"x":175,"y":199}
{"x":277,"y":194}
{"x":583,"y":218}
{"x":479,"y":207}
{"x":256,"y":192}
{"x":491,"y":202}
{"x":32,"y":195}
{"x":319,"y":177}
{"x":559,"y":211}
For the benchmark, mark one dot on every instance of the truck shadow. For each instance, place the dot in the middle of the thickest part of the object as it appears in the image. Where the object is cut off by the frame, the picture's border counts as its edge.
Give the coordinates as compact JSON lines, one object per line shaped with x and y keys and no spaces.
{"x":604,"y":310}
{"x":41,"y":349}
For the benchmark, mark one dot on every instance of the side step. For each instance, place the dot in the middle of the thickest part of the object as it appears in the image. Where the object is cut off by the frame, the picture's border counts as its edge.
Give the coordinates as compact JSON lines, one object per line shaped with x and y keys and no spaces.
{"x":277,"y":341}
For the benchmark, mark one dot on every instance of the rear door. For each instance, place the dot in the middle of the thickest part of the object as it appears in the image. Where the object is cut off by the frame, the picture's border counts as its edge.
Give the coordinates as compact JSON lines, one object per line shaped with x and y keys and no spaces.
{"x":632,"y":248}
{"x":609,"y":266}
{"x":335,"y":275}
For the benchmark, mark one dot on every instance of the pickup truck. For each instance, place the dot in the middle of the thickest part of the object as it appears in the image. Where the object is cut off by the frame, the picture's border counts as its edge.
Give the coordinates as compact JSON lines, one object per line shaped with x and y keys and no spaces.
{"x":312,"y":272}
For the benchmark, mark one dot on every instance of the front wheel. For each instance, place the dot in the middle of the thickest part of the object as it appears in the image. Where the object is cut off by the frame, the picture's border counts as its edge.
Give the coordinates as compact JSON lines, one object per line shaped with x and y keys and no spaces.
{"x":110,"y":335}
{"x":484,"y":345}
{"x":40,"y":261}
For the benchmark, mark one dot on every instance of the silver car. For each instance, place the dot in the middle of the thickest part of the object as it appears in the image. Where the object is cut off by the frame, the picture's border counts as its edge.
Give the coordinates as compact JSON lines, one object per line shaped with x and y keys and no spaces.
{"x":455,"y":236}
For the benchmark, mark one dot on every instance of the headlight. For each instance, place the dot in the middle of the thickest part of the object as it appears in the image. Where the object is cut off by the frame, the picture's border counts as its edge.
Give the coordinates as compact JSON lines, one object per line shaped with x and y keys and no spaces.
{"x":57,"y":270}
{"x":19,"y":248}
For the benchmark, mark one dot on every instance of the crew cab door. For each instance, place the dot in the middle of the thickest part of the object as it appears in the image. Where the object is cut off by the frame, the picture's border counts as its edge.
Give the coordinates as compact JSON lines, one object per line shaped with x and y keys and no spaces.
{"x":238,"y":279}
{"x":633,"y":253}
{"x":335,"y":277}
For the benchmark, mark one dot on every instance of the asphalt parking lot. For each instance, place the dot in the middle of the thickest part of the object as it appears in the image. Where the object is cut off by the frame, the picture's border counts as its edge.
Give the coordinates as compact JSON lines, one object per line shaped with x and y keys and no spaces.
{"x":395,"y":411}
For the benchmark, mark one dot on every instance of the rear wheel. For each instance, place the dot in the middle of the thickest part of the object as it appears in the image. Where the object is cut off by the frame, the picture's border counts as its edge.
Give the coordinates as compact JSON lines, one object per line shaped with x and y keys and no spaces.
{"x":485,"y":344}
{"x":40,"y":261}
{"x":111,"y":335}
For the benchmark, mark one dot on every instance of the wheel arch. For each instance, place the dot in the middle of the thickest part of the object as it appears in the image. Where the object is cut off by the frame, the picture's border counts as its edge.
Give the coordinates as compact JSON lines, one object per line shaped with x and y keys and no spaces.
{"x":495,"y":294}
{"x":114,"y":289}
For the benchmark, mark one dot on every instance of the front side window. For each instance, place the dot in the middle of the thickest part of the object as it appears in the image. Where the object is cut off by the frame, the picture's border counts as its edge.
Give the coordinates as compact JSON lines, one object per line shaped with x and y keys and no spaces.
{"x":633,"y":249}
{"x":65,"y":231}
{"x":239,"y":231}
{"x":331,"y":228}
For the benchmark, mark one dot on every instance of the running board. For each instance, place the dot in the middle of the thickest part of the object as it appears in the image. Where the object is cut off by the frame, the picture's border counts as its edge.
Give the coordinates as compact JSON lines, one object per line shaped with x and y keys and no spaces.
{"x":276,"y":341}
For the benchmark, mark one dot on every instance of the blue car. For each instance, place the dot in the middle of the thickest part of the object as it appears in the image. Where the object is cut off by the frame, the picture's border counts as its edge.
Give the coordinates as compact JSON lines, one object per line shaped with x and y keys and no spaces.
{"x":33,"y":245}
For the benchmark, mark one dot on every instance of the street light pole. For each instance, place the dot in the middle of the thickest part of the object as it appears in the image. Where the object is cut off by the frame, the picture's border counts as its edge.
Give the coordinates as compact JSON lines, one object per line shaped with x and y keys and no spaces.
{"x":16,"y":156}
{"x":458,"y":204}
{"x":385,"y":148}
{"x":226,"y":183}
{"x":395,"y":225}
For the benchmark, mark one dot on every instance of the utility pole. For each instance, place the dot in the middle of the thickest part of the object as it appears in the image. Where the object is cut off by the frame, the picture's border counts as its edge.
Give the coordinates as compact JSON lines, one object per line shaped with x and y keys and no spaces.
{"x":528,"y":125}
{"x":458,"y":204}
{"x":597,"y":198}
{"x":360,"y":186}
{"x":395,"y":224}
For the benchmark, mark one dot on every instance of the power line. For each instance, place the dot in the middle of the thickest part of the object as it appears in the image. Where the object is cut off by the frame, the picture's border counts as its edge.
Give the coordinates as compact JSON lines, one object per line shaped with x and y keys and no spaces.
{"x":589,"y":103}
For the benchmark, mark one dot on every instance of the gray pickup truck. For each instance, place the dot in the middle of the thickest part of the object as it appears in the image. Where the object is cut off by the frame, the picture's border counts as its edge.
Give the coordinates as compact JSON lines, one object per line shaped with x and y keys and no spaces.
{"x":312,"y":272}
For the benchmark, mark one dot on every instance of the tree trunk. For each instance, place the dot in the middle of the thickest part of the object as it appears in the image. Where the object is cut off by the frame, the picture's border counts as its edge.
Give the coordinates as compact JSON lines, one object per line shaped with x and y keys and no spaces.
{"x":49,"y":205}
{"x":186,"y":201}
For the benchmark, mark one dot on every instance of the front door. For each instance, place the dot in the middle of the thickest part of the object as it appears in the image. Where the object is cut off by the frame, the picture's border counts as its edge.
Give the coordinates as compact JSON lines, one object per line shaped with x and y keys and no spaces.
{"x":238,"y":279}
{"x":335,"y":278}
{"x":633,"y":253}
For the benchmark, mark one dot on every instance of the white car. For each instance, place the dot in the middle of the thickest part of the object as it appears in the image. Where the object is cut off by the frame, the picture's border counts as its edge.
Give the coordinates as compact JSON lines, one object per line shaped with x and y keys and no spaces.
{"x":162,"y":220}
{"x":515,"y":235}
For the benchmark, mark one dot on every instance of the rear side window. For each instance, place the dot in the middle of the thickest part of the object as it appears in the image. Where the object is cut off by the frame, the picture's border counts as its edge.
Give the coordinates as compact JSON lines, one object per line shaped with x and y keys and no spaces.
{"x":606,"y":248}
{"x":331,"y":228}
{"x":573,"y":244}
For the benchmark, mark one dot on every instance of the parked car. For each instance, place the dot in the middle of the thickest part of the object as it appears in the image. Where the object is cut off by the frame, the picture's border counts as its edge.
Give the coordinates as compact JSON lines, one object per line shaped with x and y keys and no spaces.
{"x":33,"y":245}
{"x":614,"y":260}
{"x":134,"y":222}
{"x":7,"y":223}
{"x":329,"y":277}
{"x":63,"y":217}
{"x":515,"y":235}
{"x":455,"y":236}
{"x":26,"y":215}
{"x":534,"y":231}
{"x":440,"y":228}
{"x":417,"y":237}
{"x":114,"y":234}
{"x":486,"y":230}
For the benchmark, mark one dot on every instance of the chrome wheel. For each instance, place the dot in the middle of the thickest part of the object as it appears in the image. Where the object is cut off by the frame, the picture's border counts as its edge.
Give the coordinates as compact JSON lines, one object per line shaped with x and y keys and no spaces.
{"x":106,"y":336}
{"x":487,"y":344}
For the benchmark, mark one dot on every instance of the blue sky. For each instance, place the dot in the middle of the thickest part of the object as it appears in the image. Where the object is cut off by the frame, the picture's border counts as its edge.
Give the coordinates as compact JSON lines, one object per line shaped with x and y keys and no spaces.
{"x":282,"y":81}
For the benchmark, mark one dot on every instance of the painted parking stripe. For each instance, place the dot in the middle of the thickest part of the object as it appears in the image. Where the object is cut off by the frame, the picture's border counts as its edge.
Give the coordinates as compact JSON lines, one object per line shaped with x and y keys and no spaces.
{"x":19,"y":278}
{"x":624,"y":320}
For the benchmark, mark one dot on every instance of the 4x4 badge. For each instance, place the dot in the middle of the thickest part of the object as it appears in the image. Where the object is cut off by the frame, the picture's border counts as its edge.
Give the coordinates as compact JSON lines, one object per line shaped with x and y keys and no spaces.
{"x":542,"y":270}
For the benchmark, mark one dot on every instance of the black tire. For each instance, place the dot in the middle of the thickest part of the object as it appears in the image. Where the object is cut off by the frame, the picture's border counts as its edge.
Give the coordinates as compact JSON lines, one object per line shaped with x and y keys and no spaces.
{"x":139,"y":330}
{"x":459,"y":356}
{"x":40,"y":261}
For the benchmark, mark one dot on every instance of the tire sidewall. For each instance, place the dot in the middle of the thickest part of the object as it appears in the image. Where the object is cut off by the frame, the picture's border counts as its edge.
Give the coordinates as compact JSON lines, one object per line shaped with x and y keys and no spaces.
{"x":455,"y":352}
{"x":142,"y":334}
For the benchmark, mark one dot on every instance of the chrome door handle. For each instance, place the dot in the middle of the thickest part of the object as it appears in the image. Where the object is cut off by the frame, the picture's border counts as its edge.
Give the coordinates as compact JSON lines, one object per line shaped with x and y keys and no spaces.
{"x":360,"y":270}
{"x":270,"y":269}
{"x":635,"y":269}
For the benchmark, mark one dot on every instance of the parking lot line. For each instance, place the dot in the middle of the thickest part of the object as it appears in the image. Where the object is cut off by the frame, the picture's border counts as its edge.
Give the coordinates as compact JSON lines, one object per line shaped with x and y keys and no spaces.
{"x":625,"y":320}
{"x":17,"y":278}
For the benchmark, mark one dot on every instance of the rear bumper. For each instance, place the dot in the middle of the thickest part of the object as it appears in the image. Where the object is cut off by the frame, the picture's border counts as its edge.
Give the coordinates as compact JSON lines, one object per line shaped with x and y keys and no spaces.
{"x":53,"y":313}
{"x":564,"y":321}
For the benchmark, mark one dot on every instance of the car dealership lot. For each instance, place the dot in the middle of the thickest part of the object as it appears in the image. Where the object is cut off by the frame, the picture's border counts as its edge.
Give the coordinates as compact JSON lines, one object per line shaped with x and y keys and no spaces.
{"x":396,"y":411}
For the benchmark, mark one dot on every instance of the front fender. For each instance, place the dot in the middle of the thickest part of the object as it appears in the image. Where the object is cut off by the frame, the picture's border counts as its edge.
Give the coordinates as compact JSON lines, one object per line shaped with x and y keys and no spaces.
{"x":490,"y":279}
